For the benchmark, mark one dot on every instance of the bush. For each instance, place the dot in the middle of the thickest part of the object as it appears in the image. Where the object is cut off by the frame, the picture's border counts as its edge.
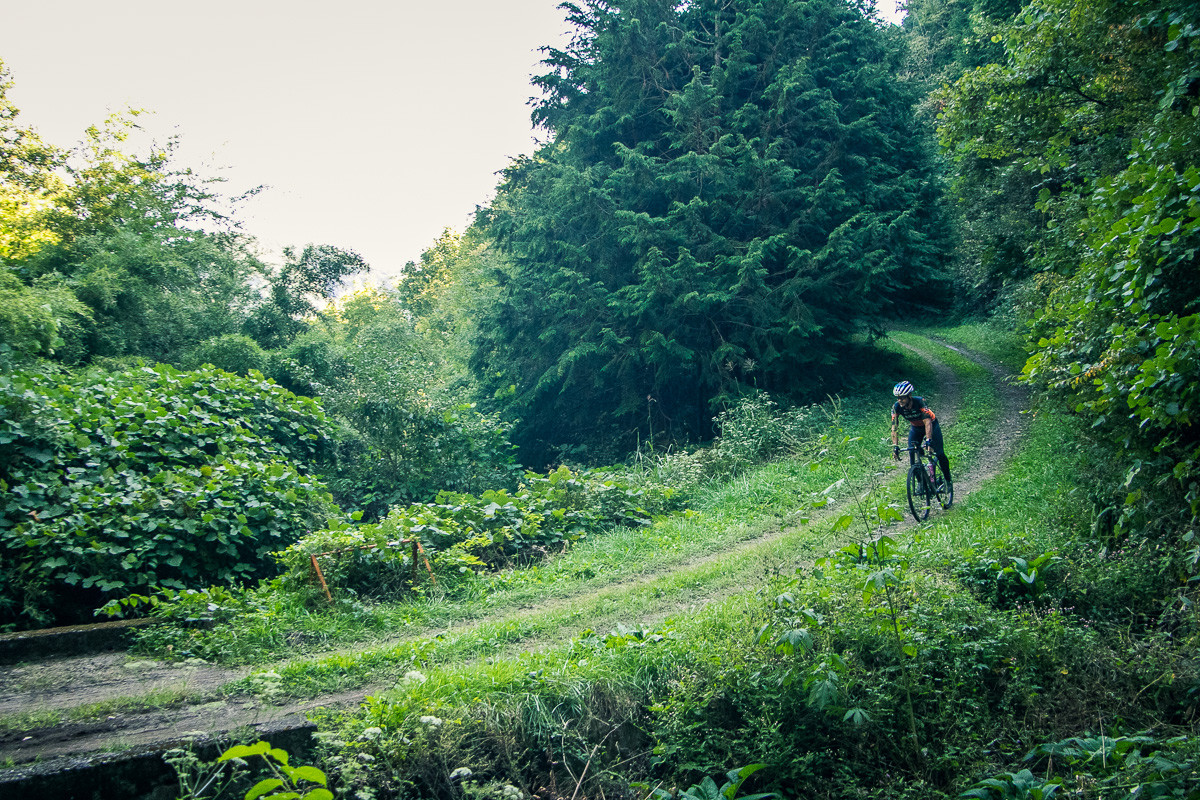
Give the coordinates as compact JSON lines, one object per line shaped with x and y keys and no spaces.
{"x":753,"y":431}
{"x":392,"y":452}
{"x":1006,"y":576}
{"x":233,"y":352}
{"x":462,"y":532}
{"x":114,"y":483}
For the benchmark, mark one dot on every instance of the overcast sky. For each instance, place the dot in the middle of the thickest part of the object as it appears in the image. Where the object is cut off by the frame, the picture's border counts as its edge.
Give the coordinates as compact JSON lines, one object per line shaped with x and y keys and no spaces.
{"x":373,"y":123}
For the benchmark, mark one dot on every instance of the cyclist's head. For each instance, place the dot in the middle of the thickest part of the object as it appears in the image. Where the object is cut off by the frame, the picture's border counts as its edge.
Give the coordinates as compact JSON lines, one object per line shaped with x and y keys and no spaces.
{"x":902,"y":389}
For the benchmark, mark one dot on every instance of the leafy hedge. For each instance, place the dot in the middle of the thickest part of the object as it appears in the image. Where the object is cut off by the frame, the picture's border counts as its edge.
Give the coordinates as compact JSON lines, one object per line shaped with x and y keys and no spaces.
{"x":460,"y":533}
{"x":119,"y":482}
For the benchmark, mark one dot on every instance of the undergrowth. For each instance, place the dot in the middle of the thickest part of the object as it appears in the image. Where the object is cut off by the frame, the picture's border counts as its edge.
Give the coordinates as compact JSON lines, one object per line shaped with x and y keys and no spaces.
{"x":983,"y":654}
{"x":770,"y":487}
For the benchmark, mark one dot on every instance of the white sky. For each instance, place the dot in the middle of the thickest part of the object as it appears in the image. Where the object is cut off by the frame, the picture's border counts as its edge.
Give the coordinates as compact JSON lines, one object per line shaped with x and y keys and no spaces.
{"x":373,"y":123}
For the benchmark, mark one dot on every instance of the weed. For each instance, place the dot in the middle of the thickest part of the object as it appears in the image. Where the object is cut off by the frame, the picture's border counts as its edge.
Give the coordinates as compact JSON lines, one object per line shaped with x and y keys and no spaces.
{"x":228,"y":775}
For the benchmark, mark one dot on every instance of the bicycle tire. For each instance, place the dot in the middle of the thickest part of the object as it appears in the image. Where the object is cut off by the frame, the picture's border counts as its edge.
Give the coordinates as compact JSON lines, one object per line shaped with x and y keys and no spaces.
{"x":943,"y":488}
{"x":919,"y":494}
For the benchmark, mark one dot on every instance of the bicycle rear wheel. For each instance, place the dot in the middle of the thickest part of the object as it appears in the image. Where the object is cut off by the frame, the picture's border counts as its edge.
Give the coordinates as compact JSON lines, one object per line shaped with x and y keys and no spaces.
{"x":919,"y":494}
{"x":942,"y":488}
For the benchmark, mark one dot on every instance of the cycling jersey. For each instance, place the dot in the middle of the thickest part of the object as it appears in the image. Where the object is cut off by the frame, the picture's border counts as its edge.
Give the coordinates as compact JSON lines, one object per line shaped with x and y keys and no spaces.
{"x":916,"y":413}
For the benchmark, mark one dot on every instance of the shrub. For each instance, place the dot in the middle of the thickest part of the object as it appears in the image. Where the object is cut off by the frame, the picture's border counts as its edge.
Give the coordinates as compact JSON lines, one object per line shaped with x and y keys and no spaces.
{"x":114,"y":483}
{"x":370,"y":560}
{"x":754,"y":430}
{"x":462,"y":532}
{"x":392,"y":452}
{"x":233,"y":352}
{"x":1007,"y":580}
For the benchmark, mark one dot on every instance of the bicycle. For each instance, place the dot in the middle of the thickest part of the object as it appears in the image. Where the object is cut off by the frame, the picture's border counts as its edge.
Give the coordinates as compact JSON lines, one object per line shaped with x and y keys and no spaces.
{"x":925,"y":483}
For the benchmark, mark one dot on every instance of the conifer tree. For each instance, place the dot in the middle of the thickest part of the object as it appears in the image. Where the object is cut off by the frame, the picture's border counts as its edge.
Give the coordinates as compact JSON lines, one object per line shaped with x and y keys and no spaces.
{"x":733,"y":190}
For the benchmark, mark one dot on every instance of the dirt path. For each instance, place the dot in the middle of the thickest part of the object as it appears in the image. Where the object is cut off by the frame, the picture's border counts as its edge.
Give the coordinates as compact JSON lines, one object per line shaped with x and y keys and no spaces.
{"x":100,"y":691}
{"x":1010,"y":428}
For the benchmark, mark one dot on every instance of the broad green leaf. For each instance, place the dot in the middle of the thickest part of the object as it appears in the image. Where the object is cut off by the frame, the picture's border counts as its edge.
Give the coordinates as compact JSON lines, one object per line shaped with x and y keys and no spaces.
{"x":245,"y":751}
{"x":262,"y":787}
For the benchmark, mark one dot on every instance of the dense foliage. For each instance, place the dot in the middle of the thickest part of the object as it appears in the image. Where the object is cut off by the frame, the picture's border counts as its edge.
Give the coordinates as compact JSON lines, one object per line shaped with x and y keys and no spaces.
{"x":732,"y":192}
{"x":1096,"y":105}
{"x":119,"y":482}
{"x":461,"y":533}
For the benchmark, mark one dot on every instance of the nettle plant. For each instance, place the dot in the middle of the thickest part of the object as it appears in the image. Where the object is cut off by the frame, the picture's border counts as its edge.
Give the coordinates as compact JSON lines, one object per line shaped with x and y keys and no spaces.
{"x":119,"y":482}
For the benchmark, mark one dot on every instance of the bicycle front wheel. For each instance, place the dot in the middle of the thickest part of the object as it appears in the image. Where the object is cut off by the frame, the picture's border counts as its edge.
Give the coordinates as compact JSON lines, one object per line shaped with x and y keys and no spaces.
{"x":919,"y":493}
{"x":942,"y":488}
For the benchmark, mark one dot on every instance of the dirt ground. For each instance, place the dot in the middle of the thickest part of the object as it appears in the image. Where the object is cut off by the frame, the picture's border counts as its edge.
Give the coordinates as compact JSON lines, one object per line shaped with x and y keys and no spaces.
{"x":95,"y":689}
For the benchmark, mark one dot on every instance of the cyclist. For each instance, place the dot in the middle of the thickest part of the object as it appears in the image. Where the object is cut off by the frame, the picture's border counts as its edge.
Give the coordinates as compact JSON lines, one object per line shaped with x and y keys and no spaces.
{"x":923,"y":423}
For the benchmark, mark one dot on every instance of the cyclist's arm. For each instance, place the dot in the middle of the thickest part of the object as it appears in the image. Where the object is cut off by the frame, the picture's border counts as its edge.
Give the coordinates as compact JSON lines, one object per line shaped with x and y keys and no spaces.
{"x":928,"y":428}
{"x":895,"y":440}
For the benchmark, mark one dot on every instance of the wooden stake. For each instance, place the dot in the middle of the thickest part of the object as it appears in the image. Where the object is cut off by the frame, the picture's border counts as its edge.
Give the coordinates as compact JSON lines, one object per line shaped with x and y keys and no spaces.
{"x":317,"y":569}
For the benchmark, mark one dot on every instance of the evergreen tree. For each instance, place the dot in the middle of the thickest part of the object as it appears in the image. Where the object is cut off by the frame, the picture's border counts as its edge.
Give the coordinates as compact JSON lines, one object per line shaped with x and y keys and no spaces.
{"x":733,"y":191}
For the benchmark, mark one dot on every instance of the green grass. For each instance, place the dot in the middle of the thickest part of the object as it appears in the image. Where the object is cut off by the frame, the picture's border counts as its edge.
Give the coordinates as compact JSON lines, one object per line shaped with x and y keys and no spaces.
{"x":1038,"y":485}
{"x":621,"y":577}
{"x":155,"y":699}
{"x":1004,"y":347}
{"x":988,"y":681}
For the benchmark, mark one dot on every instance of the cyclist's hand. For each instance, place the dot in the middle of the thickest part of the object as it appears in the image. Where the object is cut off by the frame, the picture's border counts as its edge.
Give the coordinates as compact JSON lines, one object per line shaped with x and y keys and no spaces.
{"x":895,"y":452}
{"x":927,"y":444}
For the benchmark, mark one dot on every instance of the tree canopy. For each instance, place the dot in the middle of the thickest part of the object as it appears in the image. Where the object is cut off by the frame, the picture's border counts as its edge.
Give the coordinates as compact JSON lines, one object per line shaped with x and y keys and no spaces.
{"x":731,"y":193}
{"x":1097,"y":105}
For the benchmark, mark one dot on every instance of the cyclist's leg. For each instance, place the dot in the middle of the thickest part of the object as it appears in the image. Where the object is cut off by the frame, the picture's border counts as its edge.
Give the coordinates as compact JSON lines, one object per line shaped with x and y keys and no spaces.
{"x":914,"y":440}
{"x":938,"y":447}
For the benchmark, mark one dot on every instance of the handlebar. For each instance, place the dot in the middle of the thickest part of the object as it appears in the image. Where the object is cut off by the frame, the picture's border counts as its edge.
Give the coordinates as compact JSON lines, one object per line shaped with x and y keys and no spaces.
{"x":925,"y":448}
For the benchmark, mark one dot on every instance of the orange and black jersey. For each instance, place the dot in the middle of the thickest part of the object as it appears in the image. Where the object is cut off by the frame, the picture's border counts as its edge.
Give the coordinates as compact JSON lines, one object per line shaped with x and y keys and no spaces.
{"x":916,"y":413}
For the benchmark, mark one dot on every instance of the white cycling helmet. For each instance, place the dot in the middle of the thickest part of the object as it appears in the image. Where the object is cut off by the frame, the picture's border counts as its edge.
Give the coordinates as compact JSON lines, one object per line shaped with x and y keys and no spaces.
{"x":903,"y":389}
